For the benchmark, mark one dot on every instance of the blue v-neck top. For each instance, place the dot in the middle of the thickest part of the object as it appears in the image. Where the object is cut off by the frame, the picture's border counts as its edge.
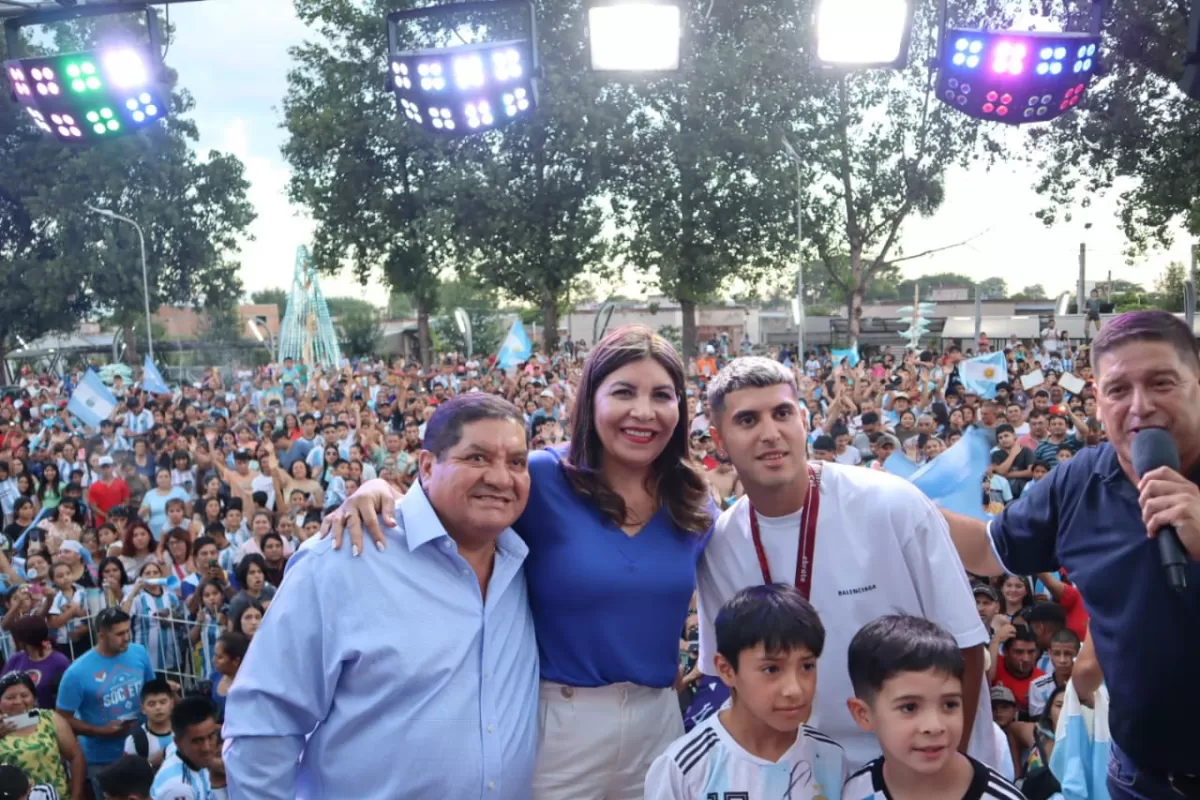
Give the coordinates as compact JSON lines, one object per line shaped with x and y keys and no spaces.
{"x":607,"y":607}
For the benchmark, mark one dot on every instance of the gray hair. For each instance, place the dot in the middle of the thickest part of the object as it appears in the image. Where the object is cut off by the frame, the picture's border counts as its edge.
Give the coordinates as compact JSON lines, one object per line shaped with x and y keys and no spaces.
{"x":747,"y":372}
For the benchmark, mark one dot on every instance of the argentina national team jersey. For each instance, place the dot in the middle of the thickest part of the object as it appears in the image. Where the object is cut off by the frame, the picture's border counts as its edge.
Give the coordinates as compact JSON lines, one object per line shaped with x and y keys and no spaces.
{"x":177,"y":781}
{"x":868,"y":784}
{"x":708,"y":764}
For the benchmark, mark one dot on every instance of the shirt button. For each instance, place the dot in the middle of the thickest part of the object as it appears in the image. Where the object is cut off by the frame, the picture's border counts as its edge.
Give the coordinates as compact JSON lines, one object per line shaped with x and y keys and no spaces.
{"x":466,"y":572}
{"x":447,"y":545}
{"x":492,"y":786}
{"x":487,"y":674}
{"x":491,"y":729}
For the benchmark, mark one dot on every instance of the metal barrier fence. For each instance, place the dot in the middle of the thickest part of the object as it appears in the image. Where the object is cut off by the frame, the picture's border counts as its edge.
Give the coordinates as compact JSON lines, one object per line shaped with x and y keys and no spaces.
{"x":181,"y":648}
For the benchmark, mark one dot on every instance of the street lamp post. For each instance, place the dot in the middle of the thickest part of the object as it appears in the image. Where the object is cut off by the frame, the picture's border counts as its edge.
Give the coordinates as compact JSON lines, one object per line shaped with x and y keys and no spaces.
{"x":795,"y":159}
{"x":104,"y":212}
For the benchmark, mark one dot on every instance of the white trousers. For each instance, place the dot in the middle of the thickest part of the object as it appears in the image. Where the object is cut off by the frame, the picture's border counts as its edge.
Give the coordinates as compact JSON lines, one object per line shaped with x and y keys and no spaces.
{"x":598,"y":743}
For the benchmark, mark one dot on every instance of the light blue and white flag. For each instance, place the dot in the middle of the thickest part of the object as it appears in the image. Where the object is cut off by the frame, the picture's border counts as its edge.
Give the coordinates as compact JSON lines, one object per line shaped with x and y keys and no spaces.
{"x":1081,"y":745}
{"x":92,"y":402}
{"x":953,"y":480}
{"x":851,"y":356}
{"x":152,"y":379}
{"x":516,"y":347}
{"x":980,"y":375}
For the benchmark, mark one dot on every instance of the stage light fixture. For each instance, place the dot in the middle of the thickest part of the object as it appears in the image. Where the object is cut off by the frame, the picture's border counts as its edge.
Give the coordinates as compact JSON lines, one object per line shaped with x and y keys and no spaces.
{"x":1019,"y":77}
{"x":83,"y":97}
{"x":467,"y":88}
{"x":860,"y":34}
{"x":635,"y":37}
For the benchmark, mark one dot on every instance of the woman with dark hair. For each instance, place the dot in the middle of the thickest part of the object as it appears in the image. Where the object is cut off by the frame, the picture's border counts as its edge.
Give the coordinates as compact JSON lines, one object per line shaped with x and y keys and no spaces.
{"x":616,"y":522}
{"x":50,"y":491}
{"x":40,"y":750}
{"x":138,"y":546}
{"x":36,"y":656}
{"x":251,"y":574}
{"x":248,"y":618}
{"x":113,"y":580}
{"x":1016,"y":595}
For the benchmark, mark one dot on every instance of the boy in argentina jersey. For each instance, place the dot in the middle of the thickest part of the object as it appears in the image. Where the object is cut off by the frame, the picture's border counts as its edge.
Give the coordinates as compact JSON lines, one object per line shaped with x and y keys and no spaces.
{"x":757,"y":748}
{"x":907,"y":675}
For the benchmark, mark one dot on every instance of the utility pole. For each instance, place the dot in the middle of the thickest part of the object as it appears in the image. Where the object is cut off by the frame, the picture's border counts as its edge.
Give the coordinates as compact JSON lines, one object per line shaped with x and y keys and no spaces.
{"x":1189,"y":293}
{"x":978,"y":316}
{"x":1082,"y":276}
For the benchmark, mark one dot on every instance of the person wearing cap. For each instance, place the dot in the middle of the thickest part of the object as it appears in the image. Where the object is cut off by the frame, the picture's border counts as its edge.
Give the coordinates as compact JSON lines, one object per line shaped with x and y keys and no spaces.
{"x":987,"y":603}
{"x":1088,"y":516}
{"x":106,"y":491}
{"x":548,"y":409}
{"x":1004,"y":707}
{"x":883,"y":445}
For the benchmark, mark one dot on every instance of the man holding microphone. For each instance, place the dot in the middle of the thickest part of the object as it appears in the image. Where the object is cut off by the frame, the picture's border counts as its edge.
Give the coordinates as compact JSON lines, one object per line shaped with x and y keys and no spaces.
{"x":1098,"y":518}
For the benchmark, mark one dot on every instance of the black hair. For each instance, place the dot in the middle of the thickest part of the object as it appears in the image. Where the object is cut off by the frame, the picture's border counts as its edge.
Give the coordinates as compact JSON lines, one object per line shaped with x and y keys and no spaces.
{"x":109,"y":617}
{"x":900,"y":643}
{"x":127,"y":776}
{"x":156,"y":686}
{"x":1004,"y":427}
{"x":1066,"y":636}
{"x":824,"y":442}
{"x":259,"y":498}
{"x":998,"y":457}
{"x":235,"y":644}
{"x":237,"y":621}
{"x":203,"y":540}
{"x":242,"y":570}
{"x":234,"y":503}
{"x":775,"y":616}
{"x":444,"y":428}
{"x":30,"y":631}
{"x":1044,"y":465}
{"x":191,"y":711}
{"x":13,"y":781}
{"x":1023,"y":634}
{"x":1046,"y":612}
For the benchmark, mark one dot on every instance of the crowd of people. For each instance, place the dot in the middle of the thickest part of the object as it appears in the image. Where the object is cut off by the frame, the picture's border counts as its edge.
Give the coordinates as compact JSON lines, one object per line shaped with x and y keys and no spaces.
{"x":615,"y":511}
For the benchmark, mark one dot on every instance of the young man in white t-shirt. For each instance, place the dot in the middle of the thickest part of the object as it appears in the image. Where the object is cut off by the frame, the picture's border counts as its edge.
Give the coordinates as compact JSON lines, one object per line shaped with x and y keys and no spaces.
{"x":879,"y":547}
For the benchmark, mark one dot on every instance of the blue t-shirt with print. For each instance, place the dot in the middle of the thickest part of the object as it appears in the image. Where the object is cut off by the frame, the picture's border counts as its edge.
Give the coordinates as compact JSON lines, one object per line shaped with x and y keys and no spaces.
{"x":98,"y":690}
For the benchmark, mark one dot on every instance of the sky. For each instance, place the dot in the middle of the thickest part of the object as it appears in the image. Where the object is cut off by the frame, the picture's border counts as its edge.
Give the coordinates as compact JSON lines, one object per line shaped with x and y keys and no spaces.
{"x":232,"y":56}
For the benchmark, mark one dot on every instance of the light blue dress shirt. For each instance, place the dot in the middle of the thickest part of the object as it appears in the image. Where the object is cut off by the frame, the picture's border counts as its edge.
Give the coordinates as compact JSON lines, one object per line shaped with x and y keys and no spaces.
{"x":408,"y":682}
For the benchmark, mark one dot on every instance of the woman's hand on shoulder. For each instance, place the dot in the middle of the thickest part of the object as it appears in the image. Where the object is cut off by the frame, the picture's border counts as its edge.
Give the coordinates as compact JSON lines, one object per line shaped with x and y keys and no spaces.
{"x":361,"y":510}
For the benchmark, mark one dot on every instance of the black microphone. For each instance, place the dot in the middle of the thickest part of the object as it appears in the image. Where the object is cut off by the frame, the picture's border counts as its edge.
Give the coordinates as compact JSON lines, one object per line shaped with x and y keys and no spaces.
{"x":1154,"y":448}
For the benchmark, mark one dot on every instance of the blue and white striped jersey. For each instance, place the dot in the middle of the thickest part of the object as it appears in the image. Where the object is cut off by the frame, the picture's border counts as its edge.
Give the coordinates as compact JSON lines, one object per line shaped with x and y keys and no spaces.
{"x":177,"y":781}
{"x":868,"y":784}
{"x":157,"y":633}
{"x":707,"y":763}
{"x":79,"y":598}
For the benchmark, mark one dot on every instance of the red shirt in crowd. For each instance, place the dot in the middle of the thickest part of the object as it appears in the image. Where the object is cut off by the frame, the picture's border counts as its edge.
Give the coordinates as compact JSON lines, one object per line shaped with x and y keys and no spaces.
{"x":106,"y":495}
{"x":1077,"y":616}
{"x":1019,"y":686}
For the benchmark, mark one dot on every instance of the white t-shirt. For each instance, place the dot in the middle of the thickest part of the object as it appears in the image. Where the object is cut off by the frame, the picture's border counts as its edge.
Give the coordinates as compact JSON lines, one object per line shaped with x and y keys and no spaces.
{"x":882,"y":548}
{"x":851,"y":457}
{"x":708,"y":762}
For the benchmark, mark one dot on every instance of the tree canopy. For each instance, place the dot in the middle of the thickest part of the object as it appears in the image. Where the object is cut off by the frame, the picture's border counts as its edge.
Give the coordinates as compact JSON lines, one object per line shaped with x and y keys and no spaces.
{"x":61,"y":264}
{"x":1135,"y":134}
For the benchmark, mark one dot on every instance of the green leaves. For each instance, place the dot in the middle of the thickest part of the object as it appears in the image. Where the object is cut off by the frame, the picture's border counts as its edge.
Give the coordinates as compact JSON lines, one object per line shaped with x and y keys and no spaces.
{"x":61,"y":264}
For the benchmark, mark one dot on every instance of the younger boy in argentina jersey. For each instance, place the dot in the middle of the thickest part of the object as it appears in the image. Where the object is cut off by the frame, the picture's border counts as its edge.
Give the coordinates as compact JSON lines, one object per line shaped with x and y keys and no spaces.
{"x":907,"y":675}
{"x":757,"y":748}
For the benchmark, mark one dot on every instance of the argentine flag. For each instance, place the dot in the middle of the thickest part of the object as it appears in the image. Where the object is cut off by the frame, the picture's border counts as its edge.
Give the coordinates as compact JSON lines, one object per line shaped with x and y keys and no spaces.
{"x":516,"y":347}
{"x":152,"y":379}
{"x":851,"y":356}
{"x":953,"y":480}
{"x":981,"y":374}
{"x":91,"y":401}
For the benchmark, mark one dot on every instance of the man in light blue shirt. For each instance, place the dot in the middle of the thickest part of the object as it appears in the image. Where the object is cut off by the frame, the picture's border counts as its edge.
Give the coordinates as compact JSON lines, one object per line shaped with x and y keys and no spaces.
{"x":429,"y":687}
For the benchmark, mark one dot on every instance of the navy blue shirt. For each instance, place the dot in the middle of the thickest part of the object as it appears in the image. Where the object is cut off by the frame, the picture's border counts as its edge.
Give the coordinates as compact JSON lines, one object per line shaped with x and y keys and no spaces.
{"x":1084,"y":517}
{"x":607,"y":607}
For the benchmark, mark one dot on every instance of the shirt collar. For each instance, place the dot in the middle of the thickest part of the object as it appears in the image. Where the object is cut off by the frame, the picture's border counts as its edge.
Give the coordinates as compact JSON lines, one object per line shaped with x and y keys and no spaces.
{"x":421,"y":524}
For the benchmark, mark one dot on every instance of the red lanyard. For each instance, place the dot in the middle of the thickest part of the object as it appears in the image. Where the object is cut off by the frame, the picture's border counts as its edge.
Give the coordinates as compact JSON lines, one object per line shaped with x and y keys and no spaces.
{"x":808,"y":536}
